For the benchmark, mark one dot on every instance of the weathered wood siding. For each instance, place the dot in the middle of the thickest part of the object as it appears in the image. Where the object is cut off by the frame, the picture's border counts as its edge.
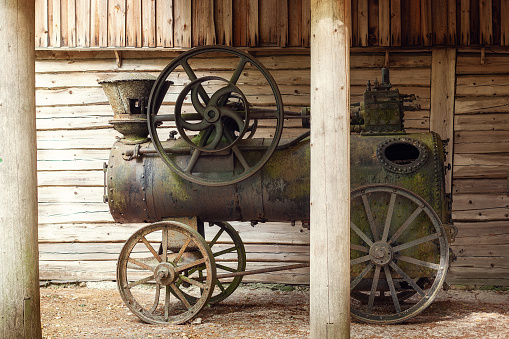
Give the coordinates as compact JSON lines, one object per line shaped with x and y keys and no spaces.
{"x":481,"y":168}
{"x":78,"y":238}
{"x":259,"y":23}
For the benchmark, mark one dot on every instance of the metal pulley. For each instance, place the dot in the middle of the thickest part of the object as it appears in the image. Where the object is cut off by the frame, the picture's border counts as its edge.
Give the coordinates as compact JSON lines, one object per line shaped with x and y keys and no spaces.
{"x":215,"y":115}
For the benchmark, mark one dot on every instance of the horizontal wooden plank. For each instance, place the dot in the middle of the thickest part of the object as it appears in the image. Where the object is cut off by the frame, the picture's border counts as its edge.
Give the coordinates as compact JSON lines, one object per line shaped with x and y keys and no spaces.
{"x":480,"y":136}
{"x":481,"y":159}
{"x":481,"y":250}
{"x":470,"y":63}
{"x":492,"y":262}
{"x":483,"y":85}
{"x":481,"y":215}
{"x":462,"y":202}
{"x":65,"y":160}
{"x":479,"y":171}
{"x":482,"y":147}
{"x":70,"y":178}
{"x":482,"y":122}
{"x":106,"y":270}
{"x":468,"y":105}
{"x":264,"y":233}
{"x":481,"y":273}
{"x":71,"y":96}
{"x":70,"y":195}
{"x":485,"y":239}
{"x":474,"y":229}
{"x":110,"y":251}
{"x":398,"y":76}
{"x":55,"y":213}
{"x":452,"y":279}
{"x":479,"y":186}
{"x":76,"y":139}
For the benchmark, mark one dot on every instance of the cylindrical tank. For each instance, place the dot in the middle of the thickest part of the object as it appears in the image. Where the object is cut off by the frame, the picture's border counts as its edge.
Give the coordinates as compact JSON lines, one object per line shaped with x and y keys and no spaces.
{"x":141,"y":188}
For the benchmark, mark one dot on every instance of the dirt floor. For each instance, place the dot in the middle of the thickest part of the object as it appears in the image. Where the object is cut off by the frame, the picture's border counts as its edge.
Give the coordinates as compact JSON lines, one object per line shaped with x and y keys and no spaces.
{"x":95,"y":310}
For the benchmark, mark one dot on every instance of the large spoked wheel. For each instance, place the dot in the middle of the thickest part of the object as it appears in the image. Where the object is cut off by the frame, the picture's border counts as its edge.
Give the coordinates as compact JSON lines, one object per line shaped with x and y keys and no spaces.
{"x":214,"y":115}
{"x":230,"y":256}
{"x":399,"y":254}
{"x":156,"y":273}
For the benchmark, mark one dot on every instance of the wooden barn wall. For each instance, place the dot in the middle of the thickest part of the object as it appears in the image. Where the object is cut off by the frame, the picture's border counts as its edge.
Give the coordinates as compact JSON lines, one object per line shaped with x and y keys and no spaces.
{"x":78,"y":238}
{"x":481,"y":168}
{"x":259,"y":23}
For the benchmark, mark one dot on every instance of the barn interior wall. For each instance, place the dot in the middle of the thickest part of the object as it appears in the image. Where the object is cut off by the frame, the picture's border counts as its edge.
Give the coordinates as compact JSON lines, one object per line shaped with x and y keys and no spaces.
{"x":80,"y":241}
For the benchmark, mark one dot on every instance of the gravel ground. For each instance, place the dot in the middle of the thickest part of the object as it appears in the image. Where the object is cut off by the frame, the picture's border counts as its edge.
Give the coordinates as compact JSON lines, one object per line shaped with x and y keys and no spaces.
{"x":263,"y":311}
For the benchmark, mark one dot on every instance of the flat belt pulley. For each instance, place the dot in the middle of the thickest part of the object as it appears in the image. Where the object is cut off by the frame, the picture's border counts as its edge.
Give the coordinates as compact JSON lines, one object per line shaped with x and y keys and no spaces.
{"x":213,"y":114}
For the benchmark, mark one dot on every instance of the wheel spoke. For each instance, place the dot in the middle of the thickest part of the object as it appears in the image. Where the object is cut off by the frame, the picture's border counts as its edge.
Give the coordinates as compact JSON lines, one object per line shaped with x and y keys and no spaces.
{"x":141,"y":281}
{"x":182,"y":250}
{"x":190,"y":73}
{"x":196,"y":101}
{"x":192,"y":161}
{"x":217,"y":138}
{"x":407,"y":223}
{"x":220,"y":285}
{"x":192,"y":281}
{"x":359,"y":248}
{"x":156,"y":300}
{"x":418,"y":262}
{"x":151,"y":249}
{"x":416,"y":242}
{"x":361,"y":275}
{"x":228,"y":250}
{"x":369,"y":214}
{"x":388,"y":220}
{"x":179,"y":295}
{"x":165,"y":244}
{"x":216,"y":237}
{"x":167,"y":303}
{"x":361,"y":234}
{"x":238,"y":70}
{"x":359,"y":260}
{"x":191,"y":265}
{"x":407,"y":278}
{"x":374,"y":286}
{"x":390,"y":282}
{"x":226,"y":268}
{"x":225,"y":111}
{"x":140,"y":264}
{"x":200,"y":126}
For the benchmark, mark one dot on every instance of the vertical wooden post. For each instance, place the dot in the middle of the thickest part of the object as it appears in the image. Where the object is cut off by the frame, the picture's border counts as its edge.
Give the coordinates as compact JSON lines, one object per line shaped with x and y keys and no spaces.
{"x":443,"y":80}
{"x":19,"y":271}
{"x":330,"y":169}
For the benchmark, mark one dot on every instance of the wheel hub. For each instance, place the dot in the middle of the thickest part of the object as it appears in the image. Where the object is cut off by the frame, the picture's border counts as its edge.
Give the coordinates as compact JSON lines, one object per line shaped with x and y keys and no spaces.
{"x":381,"y":253}
{"x":212,"y":114}
{"x":165,"y":274}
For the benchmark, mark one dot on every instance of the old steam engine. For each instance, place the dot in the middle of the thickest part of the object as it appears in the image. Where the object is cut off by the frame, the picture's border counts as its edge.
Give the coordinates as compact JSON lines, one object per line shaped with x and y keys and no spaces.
{"x":230,"y":163}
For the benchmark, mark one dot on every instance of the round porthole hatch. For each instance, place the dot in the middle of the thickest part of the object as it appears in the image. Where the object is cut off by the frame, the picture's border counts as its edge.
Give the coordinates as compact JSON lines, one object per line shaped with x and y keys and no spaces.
{"x":402,"y":155}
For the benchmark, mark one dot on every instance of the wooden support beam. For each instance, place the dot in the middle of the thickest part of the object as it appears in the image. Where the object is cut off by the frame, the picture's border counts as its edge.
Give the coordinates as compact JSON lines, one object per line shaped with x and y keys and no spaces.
{"x":19,"y":255}
{"x":443,"y":79}
{"x":330,"y":169}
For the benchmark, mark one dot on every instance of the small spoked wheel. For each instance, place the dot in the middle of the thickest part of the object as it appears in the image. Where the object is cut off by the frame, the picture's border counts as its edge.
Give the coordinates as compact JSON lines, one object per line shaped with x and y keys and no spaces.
{"x":230,"y":257}
{"x":158,"y":276}
{"x":399,"y":254}
{"x":217,"y":114}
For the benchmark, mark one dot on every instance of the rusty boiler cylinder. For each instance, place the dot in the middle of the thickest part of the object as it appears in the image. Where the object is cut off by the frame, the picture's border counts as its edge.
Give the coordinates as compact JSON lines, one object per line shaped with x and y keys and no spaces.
{"x":141,"y":188}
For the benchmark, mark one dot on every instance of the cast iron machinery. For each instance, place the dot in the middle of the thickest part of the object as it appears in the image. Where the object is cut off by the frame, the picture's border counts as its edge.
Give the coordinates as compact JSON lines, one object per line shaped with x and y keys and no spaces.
{"x":224,"y":168}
